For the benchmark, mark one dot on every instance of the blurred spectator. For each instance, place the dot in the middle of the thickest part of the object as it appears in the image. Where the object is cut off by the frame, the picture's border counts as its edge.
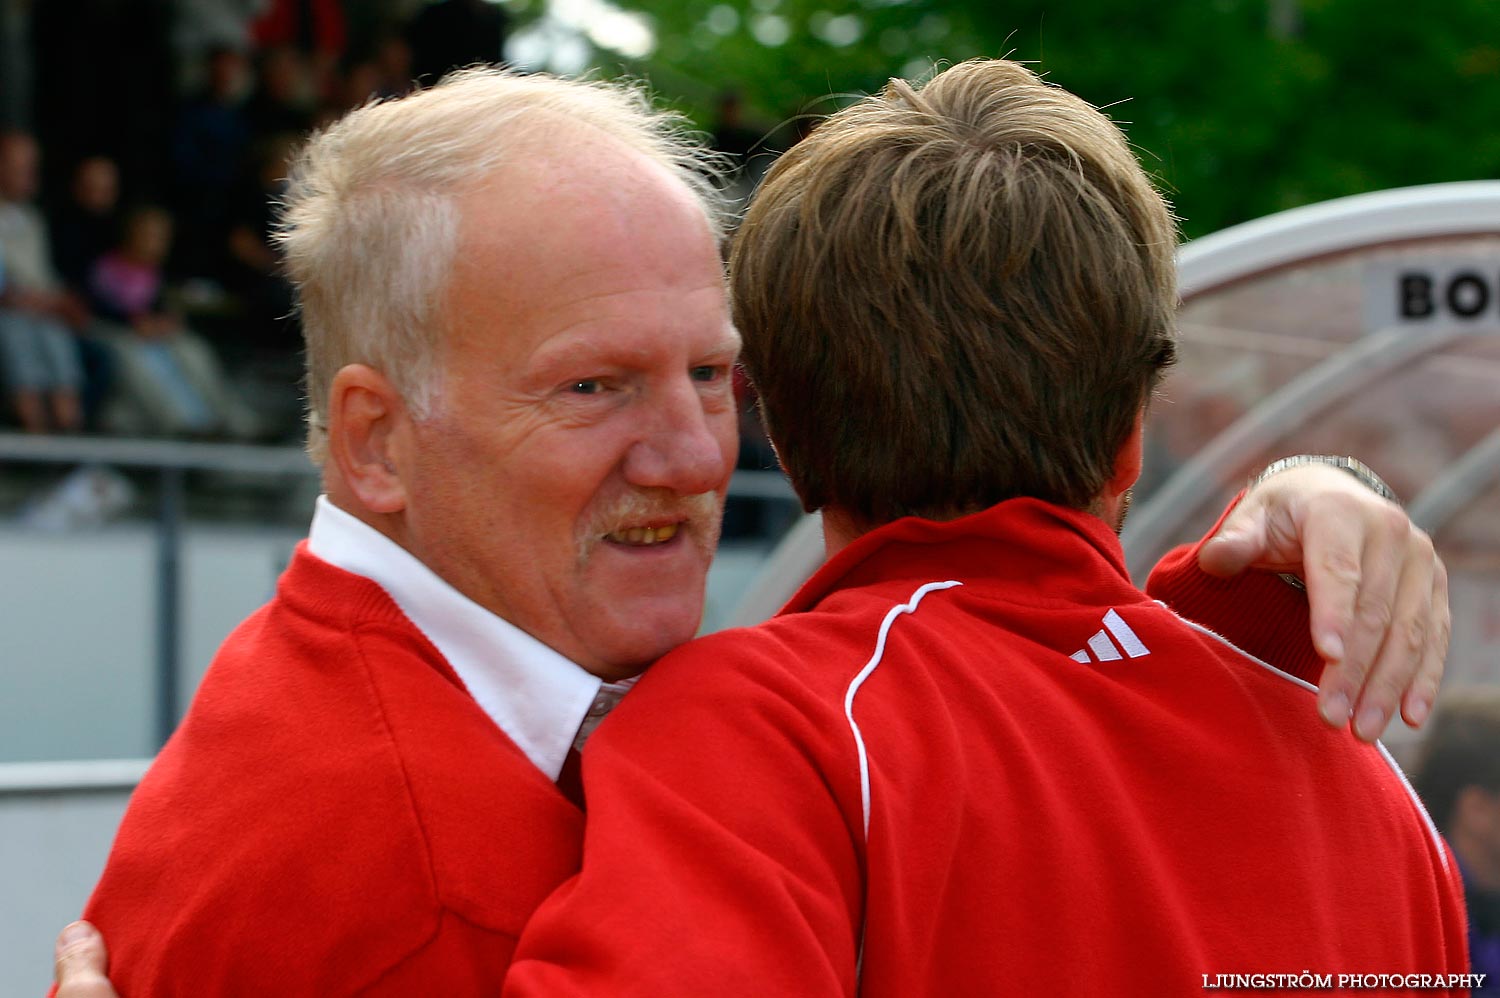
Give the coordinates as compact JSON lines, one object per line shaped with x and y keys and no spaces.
{"x":314,"y":29}
{"x":385,"y":74}
{"x":27,"y":344}
{"x":360,"y":82}
{"x":393,"y":60}
{"x":453,"y":33}
{"x":284,"y":98}
{"x":42,"y":368}
{"x":201,"y":27}
{"x":210,"y":145}
{"x":168,"y":380}
{"x":254,"y":272}
{"x":83,"y":229}
{"x":86,"y":225}
{"x":1459,"y":779}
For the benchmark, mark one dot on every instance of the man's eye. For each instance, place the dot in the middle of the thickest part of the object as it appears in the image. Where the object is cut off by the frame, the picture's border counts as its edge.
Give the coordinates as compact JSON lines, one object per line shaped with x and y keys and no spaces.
{"x":707,"y":372}
{"x":588,"y":386}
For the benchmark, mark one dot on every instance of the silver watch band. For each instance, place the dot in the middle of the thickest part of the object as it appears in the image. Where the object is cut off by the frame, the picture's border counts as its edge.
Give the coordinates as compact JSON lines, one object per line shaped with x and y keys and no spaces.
{"x":1358,"y":469}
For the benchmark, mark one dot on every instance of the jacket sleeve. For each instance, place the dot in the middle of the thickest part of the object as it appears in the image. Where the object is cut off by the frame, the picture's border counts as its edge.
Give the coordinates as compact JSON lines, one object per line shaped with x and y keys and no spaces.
{"x":718,"y":857}
{"x":1257,"y":611}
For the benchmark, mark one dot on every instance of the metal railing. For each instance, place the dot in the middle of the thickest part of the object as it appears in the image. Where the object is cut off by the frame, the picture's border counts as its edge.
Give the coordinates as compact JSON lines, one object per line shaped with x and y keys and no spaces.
{"x":80,"y":776}
{"x":172,"y":461}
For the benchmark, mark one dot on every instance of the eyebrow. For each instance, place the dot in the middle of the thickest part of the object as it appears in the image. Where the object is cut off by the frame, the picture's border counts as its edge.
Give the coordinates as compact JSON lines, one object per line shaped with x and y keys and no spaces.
{"x":727,"y":345}
{"x":565,"y":359}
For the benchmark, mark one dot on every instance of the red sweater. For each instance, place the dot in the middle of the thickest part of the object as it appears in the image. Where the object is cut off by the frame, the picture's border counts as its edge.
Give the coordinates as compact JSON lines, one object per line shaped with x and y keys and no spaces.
{"x":977,"y":754}
{"x":335,"y":816}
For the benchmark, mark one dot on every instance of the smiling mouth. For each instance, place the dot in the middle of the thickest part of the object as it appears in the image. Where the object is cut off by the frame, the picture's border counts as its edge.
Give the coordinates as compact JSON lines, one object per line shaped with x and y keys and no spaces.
{"x":643,"y":536}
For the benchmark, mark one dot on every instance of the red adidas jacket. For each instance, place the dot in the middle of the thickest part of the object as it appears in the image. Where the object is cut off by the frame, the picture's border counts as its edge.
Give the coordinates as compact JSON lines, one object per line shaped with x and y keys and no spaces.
{"x":971,"y":758}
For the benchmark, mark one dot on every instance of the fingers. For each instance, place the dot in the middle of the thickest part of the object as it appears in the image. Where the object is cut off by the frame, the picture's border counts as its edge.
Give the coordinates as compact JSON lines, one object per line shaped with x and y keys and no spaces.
{"x":1398,"y":660}
{"x":1240,"y":542}
{"x":1396,"y":635}
{"x":1377,"y":592}
{"x":80,"y":963}
{"x":1266,"y":527}
{"x":1353,"y":583}
{"x":1350,"y":582}
{"x":1416,"y":705}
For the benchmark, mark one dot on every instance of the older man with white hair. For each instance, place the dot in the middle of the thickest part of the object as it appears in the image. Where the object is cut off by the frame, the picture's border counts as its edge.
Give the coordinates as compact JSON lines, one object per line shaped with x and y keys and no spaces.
{"x":519,"y":357}
{"x":519,"y":387}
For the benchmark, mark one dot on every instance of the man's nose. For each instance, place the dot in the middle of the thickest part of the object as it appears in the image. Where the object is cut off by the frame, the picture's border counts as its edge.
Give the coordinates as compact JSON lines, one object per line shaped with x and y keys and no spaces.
{"x":685,"y":446}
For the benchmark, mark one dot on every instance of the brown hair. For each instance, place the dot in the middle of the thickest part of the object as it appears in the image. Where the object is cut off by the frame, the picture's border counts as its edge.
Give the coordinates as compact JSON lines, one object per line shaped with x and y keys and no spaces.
{"x":1462,"y":750}
{"x":955,"y":294}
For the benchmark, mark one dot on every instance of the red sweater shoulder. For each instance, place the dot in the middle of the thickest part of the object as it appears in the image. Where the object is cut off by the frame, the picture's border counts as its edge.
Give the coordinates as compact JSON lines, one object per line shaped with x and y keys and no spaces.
{"x":334,"y":811}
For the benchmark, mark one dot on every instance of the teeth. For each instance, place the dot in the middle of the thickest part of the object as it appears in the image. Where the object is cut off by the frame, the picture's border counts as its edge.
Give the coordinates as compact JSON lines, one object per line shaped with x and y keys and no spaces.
{"x":644,"y":536}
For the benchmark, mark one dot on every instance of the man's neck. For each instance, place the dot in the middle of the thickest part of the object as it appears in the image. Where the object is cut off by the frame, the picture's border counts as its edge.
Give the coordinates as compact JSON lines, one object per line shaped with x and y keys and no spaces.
{"x":389,"y":524}
{"x":839,"y":531}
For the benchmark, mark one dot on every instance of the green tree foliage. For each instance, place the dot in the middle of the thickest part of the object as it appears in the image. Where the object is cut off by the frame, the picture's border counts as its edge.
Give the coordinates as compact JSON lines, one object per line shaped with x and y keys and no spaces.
{"x":1239,"y":107}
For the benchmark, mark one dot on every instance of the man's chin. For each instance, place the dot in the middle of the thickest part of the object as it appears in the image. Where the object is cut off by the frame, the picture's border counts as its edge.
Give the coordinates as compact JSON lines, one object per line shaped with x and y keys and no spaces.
{"x":637,"y":637}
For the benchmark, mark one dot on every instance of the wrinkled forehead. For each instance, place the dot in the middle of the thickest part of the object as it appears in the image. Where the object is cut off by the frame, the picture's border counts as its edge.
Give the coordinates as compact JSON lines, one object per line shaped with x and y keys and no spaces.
{"x":585,"y":209}
{"x":576,"y":250}
{"x":562,"y":164}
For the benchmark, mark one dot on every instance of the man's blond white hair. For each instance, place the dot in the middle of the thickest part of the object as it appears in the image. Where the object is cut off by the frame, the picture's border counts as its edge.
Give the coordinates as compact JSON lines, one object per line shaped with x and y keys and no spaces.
{"x":370,"y":220}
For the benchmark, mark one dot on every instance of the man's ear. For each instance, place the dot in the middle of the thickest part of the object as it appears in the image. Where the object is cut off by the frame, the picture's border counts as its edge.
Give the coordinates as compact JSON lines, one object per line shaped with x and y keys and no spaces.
{"x":1127,"y":460}
{"x":368,"y":431}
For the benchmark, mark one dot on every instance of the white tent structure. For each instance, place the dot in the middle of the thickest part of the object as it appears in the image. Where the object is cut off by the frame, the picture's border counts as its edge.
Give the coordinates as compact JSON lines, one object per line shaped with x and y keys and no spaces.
{"x":1427,"y":237}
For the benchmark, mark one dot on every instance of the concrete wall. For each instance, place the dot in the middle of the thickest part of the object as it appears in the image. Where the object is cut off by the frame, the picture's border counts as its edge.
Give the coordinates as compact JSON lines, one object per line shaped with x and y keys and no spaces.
{"x":77,"y":615}
{"x":56,"y":825}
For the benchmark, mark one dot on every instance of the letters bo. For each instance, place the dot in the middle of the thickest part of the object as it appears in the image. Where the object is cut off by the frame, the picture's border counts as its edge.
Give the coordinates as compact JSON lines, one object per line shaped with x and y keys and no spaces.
{"x":1466,"y":294}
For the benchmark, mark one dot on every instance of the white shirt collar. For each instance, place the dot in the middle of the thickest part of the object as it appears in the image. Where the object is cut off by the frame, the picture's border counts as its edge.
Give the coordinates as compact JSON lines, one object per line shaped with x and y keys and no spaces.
{"x":543,"y":701}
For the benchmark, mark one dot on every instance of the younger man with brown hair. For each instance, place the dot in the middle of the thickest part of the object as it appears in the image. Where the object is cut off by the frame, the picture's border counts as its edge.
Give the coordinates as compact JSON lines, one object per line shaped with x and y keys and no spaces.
{"x":970,"y":757}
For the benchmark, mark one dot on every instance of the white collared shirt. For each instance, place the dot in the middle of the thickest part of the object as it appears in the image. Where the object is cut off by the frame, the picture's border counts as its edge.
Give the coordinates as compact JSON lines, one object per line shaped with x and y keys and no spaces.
{"x":543,"y":701}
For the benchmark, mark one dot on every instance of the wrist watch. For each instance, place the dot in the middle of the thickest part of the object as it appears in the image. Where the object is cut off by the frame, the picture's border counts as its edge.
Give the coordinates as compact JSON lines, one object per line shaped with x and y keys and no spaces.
{"x":1358,"y":469}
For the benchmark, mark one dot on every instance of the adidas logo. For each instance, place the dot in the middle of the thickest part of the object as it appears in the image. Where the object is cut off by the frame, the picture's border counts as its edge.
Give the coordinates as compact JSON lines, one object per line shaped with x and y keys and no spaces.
{"x":1104,"y":650}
